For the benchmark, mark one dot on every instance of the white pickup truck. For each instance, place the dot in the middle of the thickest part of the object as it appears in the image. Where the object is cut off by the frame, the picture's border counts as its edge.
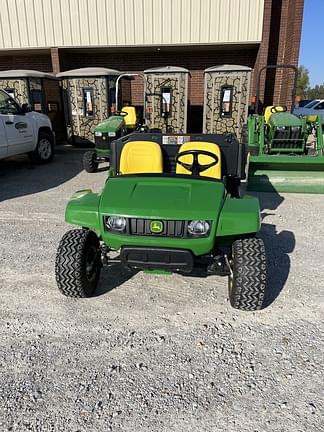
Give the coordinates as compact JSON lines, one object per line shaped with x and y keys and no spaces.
{"x":24,"y":131}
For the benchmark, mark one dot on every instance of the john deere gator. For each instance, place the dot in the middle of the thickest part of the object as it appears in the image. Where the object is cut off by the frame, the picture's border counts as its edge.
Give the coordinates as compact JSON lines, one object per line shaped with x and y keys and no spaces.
{"x":170,"y":204}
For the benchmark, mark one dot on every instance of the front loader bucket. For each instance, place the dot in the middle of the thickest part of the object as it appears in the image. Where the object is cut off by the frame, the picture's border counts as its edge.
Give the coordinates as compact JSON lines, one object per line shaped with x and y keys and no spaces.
{"x":298,"y":174}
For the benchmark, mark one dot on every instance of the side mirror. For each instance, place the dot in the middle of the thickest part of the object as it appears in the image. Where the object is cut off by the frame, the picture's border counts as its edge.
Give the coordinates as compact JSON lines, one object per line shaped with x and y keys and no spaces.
{"x":25,"y":108}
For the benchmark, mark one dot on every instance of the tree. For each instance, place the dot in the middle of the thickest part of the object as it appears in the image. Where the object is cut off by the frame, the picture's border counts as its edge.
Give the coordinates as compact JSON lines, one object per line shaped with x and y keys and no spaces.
{"x":316,"y":92}
{"x":302,"y":82}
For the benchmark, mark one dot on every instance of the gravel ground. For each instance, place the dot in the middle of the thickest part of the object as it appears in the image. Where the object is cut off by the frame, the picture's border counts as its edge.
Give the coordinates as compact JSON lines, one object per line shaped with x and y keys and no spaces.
{"x":154,"y":353}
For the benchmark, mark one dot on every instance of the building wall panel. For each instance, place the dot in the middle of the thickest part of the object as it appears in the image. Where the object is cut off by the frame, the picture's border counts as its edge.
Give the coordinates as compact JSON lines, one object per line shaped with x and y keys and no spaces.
{"x":81,"y":23}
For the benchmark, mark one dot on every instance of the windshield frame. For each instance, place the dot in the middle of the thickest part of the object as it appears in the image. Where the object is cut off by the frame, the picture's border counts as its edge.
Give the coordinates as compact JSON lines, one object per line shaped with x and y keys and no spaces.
{"x":311,"y":104}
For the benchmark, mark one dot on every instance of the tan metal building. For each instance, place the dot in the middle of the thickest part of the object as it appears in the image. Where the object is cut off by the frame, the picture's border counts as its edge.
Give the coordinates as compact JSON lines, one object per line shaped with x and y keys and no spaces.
{"x":133,"y":35}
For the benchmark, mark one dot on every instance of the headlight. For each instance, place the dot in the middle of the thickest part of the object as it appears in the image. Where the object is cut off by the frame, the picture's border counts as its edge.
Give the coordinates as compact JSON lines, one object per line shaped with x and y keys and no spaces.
{"x":115,"y":223}
{"x":98,"y":134}
{"x":198,"y":227}
{"x":111,"y":134}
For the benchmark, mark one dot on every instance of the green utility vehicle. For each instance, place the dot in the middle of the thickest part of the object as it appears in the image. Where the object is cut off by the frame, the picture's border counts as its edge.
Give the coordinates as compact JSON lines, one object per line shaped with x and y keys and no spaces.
{"x":286,"y":151}
{"x":171,"y":203}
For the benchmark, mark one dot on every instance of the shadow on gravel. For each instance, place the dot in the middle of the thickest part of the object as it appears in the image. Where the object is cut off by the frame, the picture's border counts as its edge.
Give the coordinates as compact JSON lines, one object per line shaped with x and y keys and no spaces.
{"x":278,"y":246}
{"x":268,"y":200}
{"x":19,"y":177}
{"x":111,"y":277}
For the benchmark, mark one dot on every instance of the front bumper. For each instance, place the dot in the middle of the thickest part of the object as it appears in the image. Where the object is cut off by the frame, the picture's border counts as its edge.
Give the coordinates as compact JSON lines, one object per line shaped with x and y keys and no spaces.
{"x":198,"y":246}
{"x":176,"y":260}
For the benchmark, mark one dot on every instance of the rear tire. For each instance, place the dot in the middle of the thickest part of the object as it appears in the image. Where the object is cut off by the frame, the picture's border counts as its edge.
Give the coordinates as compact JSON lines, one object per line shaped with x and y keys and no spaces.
{"x":77,"y":265}
{"x":247,"y":284}
{"x":44,"y":151}
{"x":89,"y":162}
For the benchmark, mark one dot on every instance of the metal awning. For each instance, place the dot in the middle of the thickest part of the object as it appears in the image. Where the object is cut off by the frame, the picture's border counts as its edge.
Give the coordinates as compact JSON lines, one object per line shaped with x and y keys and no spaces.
{"x":88,"y":72}
{"x":25,"y":73}
{"x":228,"y":68}
{"x":167,"y":69}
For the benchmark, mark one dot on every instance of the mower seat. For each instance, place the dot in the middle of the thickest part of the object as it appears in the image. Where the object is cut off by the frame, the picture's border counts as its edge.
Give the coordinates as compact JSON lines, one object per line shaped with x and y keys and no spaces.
{"x":130,"y":120}
{"x":139,"y":157}
{"x":214,"y":171}
{"x":267,"y":112}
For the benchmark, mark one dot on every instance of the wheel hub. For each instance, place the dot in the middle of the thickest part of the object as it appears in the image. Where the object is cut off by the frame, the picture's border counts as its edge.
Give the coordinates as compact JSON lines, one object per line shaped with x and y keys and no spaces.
{"x":44,"y":149}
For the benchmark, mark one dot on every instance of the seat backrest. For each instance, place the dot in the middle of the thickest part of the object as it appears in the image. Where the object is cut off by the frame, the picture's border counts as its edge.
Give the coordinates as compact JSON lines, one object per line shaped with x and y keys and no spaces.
{"x":214,"y":171}
{"x":130,"y":120}
{"x":267,"y":112}
{"x":139,"y":157}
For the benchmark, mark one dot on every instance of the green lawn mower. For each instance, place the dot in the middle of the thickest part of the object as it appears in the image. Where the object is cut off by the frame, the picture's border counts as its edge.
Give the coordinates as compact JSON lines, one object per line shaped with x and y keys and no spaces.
{"x":117,"y":125}
{"x":171,"y":203}
{"x":286,"y":152}
{"x":120,"y":123}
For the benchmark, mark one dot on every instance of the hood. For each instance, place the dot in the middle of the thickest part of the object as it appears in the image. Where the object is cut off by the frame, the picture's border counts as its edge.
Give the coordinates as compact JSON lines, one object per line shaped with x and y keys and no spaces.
{"x":41,"y":119}
{"x":111,"y":124}
{"x":287,"y":119}
{"x":162,"y":197}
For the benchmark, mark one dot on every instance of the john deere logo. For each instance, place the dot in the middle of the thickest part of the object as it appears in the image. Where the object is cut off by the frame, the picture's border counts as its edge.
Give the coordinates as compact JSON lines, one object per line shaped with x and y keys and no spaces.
{"x":156,"y":227}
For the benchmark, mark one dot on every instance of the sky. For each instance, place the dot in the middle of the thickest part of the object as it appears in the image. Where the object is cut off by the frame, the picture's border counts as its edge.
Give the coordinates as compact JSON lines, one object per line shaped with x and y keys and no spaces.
{"x":312,"y":41}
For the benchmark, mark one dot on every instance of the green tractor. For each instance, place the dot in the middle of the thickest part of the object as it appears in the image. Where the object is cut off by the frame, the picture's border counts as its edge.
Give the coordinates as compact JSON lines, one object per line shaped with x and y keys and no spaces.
{"x":171,"y":203}
{"x":286,"y":152}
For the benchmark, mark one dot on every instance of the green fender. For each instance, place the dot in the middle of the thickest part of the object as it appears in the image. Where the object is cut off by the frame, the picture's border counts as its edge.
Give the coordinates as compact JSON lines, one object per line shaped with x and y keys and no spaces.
{"x":239,"y":216}
{"x":82,"y":210}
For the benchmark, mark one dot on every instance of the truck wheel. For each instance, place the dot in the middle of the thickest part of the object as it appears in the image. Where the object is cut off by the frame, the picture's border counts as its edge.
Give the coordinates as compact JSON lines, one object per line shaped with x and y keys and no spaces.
{"x":44,"y":151}
{"x":77,"y":265}
{"x":89,"y":162}
{"x":247,"y":283}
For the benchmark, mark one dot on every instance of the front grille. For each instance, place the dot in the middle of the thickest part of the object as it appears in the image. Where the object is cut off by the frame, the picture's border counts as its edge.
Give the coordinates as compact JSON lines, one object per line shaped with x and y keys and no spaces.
{"x":171,"y":228}
{"x":103,"y":142}
{"x":289,"y":144}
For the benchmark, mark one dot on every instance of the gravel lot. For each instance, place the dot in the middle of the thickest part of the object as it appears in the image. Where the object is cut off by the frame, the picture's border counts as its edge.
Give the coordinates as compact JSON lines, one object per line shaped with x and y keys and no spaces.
{"x":154,"y":353}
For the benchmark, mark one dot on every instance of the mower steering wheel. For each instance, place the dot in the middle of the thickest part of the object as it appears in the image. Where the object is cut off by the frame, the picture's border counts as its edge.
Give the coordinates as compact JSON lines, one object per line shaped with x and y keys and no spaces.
{"x":121,"y":113}
{"x":196,"y":168}
{"x":279,"y":108}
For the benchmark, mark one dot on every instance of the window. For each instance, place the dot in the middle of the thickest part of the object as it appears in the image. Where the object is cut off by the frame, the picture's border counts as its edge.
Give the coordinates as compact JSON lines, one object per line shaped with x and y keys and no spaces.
{"x":320,"y":106}
{"x":37,"y":100}
{"x":88,"y":106}
{"x":11,"y":92}
{"x":7,"y":104}
{"x":226,"y":101}
{"x":310,"y":104}
{"x":166,"y":97}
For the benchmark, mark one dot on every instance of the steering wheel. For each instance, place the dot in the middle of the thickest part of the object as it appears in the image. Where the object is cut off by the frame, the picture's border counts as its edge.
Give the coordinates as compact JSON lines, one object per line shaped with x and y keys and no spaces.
{"x":279,"y":108}
{"x":195,"y":167}
{"x":121,"y":113}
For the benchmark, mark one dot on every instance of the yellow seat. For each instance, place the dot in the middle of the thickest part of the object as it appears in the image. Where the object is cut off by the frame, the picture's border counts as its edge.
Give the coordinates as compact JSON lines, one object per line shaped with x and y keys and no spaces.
{"x":267,"y":112}
{"x":214,"y":171}
{"x":312,"y":117}
{"x":138,"y":157}
{"x":130,"y":120}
